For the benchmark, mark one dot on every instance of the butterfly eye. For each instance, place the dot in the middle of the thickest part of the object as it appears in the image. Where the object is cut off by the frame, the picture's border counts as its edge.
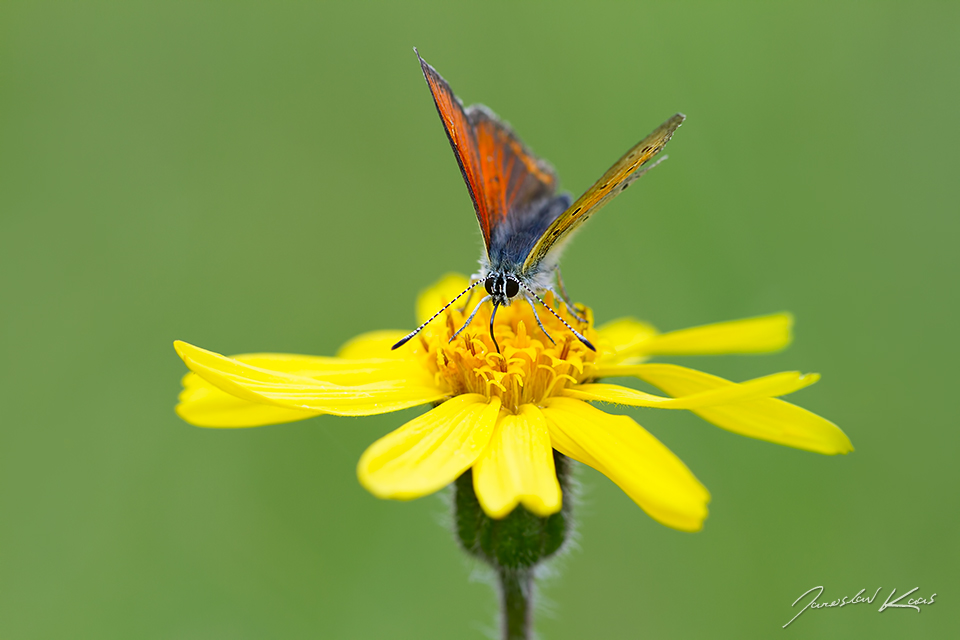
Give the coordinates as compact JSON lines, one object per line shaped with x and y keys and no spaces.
{"x":513,"y":288}
{"x":488,"y":284}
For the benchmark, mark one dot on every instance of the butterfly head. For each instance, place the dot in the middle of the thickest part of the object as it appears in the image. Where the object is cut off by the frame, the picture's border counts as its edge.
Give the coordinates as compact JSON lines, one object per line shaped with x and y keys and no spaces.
{"x":501,"y":287}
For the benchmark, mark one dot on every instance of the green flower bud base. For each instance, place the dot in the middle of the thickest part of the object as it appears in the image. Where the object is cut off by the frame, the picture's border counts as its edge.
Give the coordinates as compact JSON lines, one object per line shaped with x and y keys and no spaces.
{"x":513,"y":546}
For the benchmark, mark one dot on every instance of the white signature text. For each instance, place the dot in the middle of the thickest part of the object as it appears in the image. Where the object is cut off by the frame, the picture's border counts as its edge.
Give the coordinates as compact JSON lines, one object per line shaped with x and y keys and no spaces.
{"x":889,"y":603}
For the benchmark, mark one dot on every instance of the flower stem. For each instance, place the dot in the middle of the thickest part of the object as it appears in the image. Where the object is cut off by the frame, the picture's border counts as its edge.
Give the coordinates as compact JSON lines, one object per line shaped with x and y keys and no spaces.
{"x":513,"y":546}
{"x":516,"y":598}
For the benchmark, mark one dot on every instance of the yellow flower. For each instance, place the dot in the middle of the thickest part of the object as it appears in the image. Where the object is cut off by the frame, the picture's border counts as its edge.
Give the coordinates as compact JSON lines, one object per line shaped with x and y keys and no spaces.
{"x":502,"y":414}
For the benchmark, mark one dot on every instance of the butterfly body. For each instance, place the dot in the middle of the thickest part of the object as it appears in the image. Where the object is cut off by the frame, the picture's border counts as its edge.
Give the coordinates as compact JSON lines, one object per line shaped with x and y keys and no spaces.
{"x":524,"y":221}
{"x":512,"y":241}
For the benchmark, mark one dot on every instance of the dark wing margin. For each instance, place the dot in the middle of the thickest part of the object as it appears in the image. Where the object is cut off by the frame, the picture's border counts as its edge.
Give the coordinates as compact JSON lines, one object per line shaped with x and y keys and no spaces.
{"x":460,"y":135}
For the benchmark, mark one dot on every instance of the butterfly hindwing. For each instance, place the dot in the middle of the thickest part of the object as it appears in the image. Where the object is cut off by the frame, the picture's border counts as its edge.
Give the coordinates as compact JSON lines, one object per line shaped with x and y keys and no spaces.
{"x":612,"y":183}
{"x":504,"y":178}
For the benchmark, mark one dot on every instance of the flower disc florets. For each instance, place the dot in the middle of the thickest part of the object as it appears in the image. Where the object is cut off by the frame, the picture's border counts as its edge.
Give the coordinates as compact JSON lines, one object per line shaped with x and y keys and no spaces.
{"x":529,"y":367}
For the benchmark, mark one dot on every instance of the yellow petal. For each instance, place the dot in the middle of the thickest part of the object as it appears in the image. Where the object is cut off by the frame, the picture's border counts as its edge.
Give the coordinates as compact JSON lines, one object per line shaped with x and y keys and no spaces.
{"x":279,"y":388}
{"x":774,"y":385}
{"x":430,"y":451}
{"x":630,"y":338}
{"x":433,"y":298}
{"x":766,"y":419}
{"x":752,"y":335}
{"x":620,"y":338}
{"x":342,"y":371}
{"x":203,"y":405}
{"x":629,"y":455}
{"x":375,"y":344}
{"x":517,"y":467}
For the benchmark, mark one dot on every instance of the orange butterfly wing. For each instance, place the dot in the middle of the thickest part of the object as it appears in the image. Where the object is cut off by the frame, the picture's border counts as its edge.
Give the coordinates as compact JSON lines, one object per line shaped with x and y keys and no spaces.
{"x":502,"y":175}
{"x":617,"y":178}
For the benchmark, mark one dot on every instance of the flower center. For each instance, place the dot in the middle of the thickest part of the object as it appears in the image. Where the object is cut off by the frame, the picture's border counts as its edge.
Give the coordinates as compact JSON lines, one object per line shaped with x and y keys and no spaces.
{"x":529,"y":368}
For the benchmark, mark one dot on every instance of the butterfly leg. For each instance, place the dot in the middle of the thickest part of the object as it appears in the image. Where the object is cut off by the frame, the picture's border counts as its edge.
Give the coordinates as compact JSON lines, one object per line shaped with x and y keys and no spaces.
{"x":566,"y":299}
{"x":469,"y":320}
{"x":542,"y":328}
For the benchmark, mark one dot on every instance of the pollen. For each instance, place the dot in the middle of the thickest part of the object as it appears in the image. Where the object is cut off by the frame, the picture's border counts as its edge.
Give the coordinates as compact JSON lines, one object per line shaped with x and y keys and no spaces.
{"x":529,"y":367}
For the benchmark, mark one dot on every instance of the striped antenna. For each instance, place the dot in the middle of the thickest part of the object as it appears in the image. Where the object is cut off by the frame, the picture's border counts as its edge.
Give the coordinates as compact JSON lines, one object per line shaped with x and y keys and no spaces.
{"x":557,"y":315}
{"x":413,"y":333}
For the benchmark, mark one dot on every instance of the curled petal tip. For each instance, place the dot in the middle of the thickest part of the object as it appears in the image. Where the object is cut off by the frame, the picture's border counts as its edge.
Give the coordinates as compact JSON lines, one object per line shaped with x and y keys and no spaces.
{"x":180,"y":346}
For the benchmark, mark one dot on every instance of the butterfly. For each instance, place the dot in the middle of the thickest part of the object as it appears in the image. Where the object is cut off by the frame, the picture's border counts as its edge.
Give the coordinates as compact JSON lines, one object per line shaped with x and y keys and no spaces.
{"x":525,"y":223}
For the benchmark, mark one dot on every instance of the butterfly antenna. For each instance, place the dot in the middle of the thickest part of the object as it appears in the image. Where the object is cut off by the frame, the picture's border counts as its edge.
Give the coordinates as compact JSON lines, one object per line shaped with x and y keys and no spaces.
{"x":492,"y":316}
{"x":557,"y":316}
{"x":407,"y":337}
{"x":644,"y":170}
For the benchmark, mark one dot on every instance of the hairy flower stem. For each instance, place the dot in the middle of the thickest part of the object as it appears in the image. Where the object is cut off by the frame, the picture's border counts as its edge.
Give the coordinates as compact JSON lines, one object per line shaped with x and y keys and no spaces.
{"x":513,"y":546}
{"x":516,"y":602}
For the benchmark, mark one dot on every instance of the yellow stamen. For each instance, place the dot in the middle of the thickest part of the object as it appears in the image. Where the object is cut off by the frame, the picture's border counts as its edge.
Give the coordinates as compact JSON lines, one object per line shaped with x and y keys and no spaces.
{"x":529,"y":368}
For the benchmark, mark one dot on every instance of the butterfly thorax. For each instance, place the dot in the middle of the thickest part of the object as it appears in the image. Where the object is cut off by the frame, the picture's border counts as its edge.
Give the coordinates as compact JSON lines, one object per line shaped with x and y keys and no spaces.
{"x":512,"y":239}
{"x":502,"y":270}
{"x":510,"y":244}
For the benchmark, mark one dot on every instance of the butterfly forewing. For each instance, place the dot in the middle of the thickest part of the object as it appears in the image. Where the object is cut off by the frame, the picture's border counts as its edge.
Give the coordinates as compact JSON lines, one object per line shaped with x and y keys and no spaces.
{"x":460,"y":133}
{"x":502,"y":175}
{"x":612,"y":183}
{"x":512,"y":176}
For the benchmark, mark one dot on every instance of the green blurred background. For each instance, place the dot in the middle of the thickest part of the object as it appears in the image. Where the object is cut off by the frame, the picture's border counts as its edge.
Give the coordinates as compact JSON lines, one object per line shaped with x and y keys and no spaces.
{"x":273,"y":177}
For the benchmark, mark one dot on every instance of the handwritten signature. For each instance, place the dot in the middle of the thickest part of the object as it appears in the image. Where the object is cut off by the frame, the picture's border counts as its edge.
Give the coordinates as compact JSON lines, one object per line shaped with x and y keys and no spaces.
{"x":912,"y":603}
